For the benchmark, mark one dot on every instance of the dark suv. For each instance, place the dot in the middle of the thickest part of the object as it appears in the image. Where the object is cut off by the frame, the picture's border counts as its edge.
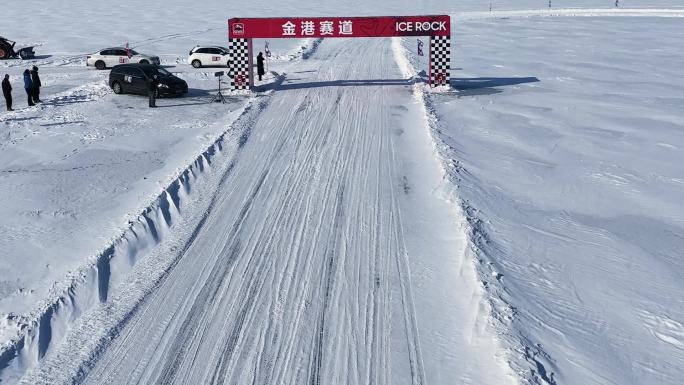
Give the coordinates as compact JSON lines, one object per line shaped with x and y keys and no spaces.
{"x":135,"y":78}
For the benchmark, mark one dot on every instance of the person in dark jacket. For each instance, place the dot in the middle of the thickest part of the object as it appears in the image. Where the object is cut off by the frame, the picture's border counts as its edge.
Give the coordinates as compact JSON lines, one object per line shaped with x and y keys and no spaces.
{"x":7,"y":92}
{"x":28,"y":86}
{"x":35,"y":79}
{"x":260,"y":65}
{"x":152,"y":86}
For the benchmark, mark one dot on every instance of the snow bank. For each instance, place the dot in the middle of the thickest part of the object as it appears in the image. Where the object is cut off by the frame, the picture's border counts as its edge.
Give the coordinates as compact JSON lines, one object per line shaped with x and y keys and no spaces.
{"x":88,"y":286}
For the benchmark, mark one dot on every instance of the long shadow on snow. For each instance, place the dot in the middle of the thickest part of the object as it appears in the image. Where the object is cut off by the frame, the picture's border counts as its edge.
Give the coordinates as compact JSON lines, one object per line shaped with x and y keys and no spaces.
{"x":346,"y":83}
{"x":486,"y":86}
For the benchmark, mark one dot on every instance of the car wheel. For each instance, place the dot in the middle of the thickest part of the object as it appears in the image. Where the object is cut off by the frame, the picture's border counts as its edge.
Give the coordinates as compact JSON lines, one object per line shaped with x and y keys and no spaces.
{"x":100,"y":65}
{"x":144,"y":62}
{"x":196,"y":63}
{"x":3,"y":54}
{"x":116,"y":86}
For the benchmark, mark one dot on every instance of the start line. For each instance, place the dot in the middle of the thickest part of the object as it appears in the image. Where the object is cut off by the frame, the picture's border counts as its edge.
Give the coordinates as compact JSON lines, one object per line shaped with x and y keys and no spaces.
{"x":241,"y":31}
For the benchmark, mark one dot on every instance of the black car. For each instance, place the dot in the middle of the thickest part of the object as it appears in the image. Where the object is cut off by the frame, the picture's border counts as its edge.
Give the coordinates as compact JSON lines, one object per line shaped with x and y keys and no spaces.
{"x":135,"y":78}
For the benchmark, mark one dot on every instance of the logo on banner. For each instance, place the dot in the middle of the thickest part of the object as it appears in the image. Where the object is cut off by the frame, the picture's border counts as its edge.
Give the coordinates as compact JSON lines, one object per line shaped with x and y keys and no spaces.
{"x":440,"y":78}
{"x":239,"y":80}
{"x":238,"y":29}
{"x":421,"y":26}
{"x":323,"y":27}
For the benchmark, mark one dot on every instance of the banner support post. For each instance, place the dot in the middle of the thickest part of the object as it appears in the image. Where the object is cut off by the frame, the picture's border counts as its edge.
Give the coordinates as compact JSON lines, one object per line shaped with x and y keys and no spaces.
{"x":250,"y":61}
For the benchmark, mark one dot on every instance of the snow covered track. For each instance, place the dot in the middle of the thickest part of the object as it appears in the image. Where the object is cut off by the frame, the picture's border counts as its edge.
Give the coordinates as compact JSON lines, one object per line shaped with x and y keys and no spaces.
{"x":325,"y":254}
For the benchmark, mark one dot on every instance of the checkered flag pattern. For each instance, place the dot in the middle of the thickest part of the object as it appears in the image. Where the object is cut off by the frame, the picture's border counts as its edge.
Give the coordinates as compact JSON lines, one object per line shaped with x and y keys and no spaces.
{"x":440,"y":60}
{"x":238,"y":65}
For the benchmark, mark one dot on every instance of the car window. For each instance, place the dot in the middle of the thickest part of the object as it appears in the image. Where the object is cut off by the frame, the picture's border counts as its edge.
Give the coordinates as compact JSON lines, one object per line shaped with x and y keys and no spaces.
{"x":202,"y":50}
{"x":214,"y":51}
{"x":106,"y":52}
{"x":152,"y":70}
{"x":134,"y":52}
{"x":129,"y":71}
{"x":119,"y":52}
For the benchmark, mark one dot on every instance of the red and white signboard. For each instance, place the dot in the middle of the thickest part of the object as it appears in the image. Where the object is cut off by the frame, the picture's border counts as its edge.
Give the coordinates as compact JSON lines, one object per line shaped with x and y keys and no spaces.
{"x":241,"y":31}
{"x":387,"y":26}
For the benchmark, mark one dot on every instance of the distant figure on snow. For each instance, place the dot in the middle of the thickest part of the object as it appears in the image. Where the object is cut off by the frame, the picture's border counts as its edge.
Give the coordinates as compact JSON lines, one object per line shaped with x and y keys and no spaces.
{"x":617,"y":3}
{"x":7,"y":92}
{"x":35,"y":79}
{"x":28,"y":86}
{"x":152,"y":91}
{"x":260,"y":65}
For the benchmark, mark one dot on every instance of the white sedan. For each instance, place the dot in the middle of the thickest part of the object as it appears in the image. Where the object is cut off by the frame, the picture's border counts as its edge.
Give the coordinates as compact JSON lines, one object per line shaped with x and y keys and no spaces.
{"x":110,"y":57}
{"x":203,"y":56}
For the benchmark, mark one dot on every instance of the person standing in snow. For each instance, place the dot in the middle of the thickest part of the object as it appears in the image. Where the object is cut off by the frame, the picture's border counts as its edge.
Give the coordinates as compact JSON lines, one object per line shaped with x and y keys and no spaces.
{"x":152,"y":86}
{"x":7,"y":92}
{"x":260,"y":65}
{"x":35,"y":80}
{"x":28,"y":86}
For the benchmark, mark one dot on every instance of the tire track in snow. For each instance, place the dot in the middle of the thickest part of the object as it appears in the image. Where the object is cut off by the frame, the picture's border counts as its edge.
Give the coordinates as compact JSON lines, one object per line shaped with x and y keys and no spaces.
{"x":208,"y":292}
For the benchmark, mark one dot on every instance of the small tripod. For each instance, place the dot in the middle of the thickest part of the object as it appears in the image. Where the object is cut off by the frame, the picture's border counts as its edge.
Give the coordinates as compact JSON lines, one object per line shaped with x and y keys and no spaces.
{"x":219,"y":98}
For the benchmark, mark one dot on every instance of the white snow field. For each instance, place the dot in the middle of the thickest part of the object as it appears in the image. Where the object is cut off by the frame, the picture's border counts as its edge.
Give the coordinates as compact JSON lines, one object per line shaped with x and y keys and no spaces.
{"x":565,"y":137}
{"x":346,"y":224}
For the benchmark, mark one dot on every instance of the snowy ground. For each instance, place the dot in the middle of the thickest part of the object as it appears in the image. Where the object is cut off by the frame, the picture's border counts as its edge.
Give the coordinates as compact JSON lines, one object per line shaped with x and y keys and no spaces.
{"x":311,"y":262}
{"x":563,"y":135}
{"x":566,"y":141}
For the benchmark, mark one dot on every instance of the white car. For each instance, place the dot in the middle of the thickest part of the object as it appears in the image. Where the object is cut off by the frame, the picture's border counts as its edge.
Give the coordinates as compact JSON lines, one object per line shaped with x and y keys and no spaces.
{"x":203,"y":56}
{"x":109,"y":57}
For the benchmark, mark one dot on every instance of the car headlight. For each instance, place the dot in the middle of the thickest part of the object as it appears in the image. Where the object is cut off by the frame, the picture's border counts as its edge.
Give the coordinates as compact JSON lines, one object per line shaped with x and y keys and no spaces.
{"x":163,"y":85}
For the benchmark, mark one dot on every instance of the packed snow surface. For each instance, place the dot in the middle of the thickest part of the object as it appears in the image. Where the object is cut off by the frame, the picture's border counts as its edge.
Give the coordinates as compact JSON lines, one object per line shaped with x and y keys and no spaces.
{"x":346,"y":224}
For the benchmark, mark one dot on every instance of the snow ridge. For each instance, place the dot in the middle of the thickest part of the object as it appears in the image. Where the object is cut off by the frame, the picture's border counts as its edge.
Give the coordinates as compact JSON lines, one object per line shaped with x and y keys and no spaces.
{"x":525,"y":357}
{"x":81,"y":350}
{"x":89,"y":286}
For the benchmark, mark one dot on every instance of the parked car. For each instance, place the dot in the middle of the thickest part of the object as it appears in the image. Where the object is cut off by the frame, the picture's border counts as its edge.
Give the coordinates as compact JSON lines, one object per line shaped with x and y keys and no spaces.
{"x":109,"y":57}
{"x":134,"y":79}
{"x":204,"y":56}
{"x":8,"y":50}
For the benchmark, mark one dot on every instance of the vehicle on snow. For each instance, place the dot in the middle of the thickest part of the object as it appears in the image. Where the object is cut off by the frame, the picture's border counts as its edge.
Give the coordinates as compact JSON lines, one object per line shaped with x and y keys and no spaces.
{"x":206,"y":56}
{"x":109,"y":57}
{"x":135,"y":78}
{"x":7,"y":50}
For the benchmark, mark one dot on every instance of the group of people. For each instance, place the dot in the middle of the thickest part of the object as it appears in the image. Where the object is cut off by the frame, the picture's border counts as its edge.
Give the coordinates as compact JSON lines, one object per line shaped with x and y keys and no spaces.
{"x":31,"y":85}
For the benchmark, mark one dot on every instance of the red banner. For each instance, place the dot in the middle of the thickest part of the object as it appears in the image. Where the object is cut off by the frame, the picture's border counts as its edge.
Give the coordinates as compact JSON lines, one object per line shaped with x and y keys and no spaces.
{"x":303,"y":27}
